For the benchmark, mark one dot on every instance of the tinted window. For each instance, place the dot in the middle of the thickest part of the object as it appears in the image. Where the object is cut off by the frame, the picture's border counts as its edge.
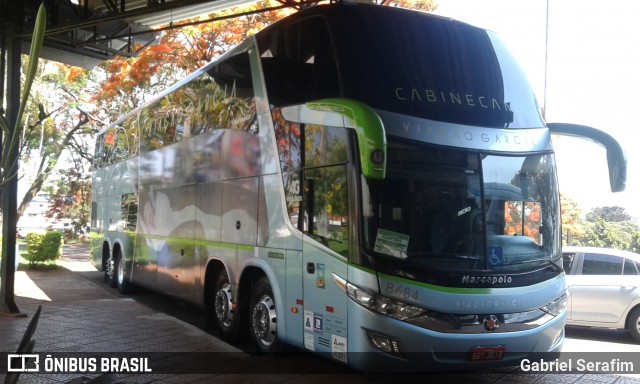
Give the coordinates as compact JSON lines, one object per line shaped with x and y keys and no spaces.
{"x":598,"y":264}
{"x":298,"y":62}
{"x":324,"y":145}
{"x":221,"y":98}
{"x":630,"y":267}
{"x":326,"y":208}
{"x":312,"y":159}
{"x":430,"y":67}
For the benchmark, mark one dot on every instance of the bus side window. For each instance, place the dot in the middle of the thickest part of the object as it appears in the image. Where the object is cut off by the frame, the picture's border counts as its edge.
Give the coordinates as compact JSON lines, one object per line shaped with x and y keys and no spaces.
{"x":325,"y":195}
{"x":298,"y":63}
{"x":326,"y":207}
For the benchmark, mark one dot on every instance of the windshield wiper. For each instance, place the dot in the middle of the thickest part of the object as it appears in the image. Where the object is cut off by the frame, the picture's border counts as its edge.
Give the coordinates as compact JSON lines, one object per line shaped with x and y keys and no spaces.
{"x":555,"y":266}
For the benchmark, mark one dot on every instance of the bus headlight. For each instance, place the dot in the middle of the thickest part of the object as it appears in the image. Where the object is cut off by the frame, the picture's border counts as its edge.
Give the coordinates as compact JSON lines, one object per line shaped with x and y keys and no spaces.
{"x":382,"y":304}
{"x":556,"y":307}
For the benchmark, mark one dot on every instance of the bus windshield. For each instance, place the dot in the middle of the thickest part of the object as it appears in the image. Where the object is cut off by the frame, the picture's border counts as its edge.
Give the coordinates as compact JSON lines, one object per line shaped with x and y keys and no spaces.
{"x":459,"y":210}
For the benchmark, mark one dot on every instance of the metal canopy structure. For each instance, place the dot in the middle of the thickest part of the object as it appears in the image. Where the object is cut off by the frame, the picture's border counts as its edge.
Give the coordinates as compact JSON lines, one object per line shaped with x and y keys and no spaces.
{"x":85,"y":32}
{"x":80,"y":33}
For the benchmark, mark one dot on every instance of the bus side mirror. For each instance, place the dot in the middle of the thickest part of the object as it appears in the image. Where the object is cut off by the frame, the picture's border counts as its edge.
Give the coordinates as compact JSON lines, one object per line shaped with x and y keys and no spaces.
{"x":616,"y":158}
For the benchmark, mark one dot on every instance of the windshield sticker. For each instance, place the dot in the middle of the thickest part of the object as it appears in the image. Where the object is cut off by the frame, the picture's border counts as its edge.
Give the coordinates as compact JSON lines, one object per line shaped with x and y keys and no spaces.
{"x":496,"y":258}
{"x":392,"y":243}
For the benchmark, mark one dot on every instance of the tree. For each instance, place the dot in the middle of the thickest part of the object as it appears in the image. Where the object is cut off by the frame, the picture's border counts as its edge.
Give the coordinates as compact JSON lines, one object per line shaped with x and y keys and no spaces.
{"x":70,"y":199}
{"x":56,"y":127}
{"x":179,"y":52}
{"x":611,"y":214}
{"x":610,"y":227}
{"x":572,"y":227}
{"x":635,"y":243}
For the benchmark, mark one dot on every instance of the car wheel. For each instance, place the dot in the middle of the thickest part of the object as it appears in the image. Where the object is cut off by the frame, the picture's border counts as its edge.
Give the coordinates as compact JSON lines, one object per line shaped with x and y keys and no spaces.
{"x":634,"y":324}
{"x":223,"y":312}
{"x":263,"y":318}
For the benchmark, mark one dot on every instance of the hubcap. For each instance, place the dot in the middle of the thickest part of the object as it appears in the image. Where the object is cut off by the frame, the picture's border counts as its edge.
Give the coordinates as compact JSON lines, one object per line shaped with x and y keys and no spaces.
{"x":263,"y":321}
{"x":223,"y":305}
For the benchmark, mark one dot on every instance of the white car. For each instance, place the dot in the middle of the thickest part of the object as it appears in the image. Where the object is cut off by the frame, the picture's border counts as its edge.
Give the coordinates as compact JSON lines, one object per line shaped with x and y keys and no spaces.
{"x":604,"y":288}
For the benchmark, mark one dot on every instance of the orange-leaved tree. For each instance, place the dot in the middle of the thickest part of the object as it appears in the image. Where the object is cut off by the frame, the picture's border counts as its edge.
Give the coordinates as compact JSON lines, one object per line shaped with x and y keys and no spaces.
{"x":178,"y":52}
{"x":571,"y":222}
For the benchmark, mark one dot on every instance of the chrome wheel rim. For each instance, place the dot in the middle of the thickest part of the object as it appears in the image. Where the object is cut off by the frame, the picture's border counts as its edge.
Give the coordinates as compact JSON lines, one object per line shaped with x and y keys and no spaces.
{"x":263,"y":321}
{"x":223,"y":306}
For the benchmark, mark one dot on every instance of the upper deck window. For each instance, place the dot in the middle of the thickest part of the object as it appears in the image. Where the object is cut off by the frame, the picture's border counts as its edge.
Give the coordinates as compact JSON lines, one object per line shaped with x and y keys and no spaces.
{"x":400,"y":61}
{"x":298,"y":62}
{"x":434,"y":68}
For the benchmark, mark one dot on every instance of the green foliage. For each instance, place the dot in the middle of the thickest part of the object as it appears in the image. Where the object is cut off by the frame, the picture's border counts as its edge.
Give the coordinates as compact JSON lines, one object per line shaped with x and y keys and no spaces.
{"x":609,"y":227}
{"x":43,"y":247}
{"x":610,"y":214}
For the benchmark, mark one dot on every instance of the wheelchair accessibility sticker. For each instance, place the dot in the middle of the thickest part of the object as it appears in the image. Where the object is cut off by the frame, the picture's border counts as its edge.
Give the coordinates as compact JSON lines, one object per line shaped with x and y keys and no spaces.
{"x":496,"y":258}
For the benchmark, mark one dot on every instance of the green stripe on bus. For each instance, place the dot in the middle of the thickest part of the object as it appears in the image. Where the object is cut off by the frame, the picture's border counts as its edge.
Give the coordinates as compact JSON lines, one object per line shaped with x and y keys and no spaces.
{"x":206,"y":243}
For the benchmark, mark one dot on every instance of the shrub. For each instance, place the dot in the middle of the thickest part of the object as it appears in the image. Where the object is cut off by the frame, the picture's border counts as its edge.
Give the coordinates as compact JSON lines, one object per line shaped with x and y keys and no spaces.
{"x":43,"y":247}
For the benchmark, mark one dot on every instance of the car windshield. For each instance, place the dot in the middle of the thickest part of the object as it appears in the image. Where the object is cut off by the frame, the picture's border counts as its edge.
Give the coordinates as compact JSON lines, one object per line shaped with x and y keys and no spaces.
{"x":462,"y":210}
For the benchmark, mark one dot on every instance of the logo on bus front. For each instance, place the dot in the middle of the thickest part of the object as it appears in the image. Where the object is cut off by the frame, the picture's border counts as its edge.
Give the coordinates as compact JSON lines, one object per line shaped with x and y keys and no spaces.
{"x":486,"y":280}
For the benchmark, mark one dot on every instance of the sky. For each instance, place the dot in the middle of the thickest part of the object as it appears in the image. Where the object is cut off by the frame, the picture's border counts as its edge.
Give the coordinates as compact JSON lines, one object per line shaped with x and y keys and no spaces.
{"x":592,"y":78}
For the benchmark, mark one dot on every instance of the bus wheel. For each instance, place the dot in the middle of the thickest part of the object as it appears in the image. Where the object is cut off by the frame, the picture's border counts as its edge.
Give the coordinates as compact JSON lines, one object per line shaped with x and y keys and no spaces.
{"x":123,"y":284}
{"x":110,"y":272}
{"x":263,"y":323}
{"x":226,"y":317}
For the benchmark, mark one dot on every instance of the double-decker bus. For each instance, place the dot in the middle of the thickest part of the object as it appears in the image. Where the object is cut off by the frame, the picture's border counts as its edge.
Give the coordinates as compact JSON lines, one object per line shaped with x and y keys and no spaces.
{"x":374,"y":184}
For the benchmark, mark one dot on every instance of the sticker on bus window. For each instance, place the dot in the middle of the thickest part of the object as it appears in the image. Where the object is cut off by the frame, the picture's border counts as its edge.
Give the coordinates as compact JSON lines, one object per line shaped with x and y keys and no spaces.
{"x":391,"y":243}
{"x":496,"y":257}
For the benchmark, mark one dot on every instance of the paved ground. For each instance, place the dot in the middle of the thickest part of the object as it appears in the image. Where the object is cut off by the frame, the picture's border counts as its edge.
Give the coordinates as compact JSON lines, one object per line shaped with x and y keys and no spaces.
{"x":80,"y":316}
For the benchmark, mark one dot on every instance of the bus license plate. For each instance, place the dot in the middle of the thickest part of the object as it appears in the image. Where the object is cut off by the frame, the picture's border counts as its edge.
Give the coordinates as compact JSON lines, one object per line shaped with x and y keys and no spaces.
{"x":487,"y":353}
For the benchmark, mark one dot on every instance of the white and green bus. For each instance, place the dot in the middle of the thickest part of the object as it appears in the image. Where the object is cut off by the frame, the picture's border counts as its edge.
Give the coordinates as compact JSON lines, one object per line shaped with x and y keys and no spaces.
{"x":370,"y":183}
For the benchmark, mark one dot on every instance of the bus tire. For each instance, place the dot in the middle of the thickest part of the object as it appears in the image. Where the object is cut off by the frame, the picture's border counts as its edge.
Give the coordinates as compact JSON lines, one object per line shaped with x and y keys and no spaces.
{"x":225,"y":317}
{"x":123,"y":284}
{"x":263,"y":318}
{"x":110,"y":272}
{"x":634,"y":324}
